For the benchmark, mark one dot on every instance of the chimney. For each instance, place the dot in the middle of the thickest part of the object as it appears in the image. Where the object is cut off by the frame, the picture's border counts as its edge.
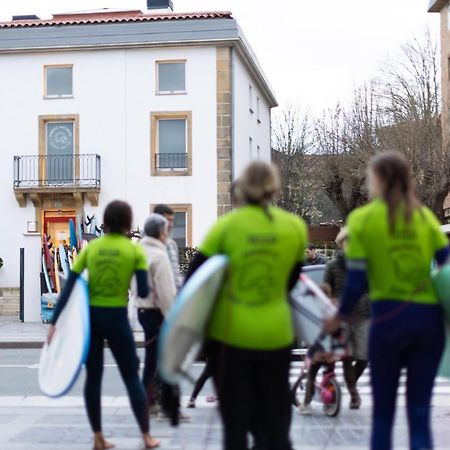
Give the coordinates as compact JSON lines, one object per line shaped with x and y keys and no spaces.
{"x":160,"y":5}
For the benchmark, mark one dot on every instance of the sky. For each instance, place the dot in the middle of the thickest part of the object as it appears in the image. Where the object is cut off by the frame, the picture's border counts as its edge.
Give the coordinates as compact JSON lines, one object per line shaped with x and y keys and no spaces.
{"x":314,"y":52}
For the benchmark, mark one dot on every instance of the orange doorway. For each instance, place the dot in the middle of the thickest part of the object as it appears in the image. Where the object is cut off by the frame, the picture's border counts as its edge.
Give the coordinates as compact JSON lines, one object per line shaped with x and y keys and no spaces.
{"x":56,"y":226}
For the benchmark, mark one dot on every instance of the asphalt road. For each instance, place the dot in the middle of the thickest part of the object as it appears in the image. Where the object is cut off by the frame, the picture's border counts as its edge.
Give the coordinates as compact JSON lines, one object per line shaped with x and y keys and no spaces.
{"x":19,"y":375}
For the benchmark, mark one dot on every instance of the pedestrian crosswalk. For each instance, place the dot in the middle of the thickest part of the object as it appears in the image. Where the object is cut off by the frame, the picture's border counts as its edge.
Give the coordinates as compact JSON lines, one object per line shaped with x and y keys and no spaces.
{"x":441,"y":392}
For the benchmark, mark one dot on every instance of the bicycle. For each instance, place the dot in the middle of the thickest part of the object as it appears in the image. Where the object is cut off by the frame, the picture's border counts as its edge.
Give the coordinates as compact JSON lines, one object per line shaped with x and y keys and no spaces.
{"x":328,"y":390}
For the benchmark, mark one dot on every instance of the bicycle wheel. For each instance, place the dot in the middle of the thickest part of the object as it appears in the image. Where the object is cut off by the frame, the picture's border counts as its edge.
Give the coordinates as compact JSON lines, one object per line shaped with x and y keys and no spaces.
{"x":298,"y":384}
{"x":332,"y":409}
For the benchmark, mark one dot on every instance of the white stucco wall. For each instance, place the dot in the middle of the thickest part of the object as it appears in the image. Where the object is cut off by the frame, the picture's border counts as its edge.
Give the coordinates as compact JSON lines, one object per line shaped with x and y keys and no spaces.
{"x":246,"y":124}
{"x":114,"y":94}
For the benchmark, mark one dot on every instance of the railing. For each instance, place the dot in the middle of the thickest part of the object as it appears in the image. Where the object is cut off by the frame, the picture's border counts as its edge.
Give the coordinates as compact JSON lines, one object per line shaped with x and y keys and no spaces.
{"x":48,"y":171}
{"x":171,"y":161}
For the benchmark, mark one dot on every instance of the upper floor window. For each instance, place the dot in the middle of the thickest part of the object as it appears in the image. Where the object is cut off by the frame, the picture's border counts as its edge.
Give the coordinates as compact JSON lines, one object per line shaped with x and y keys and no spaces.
{"x":171,"y":77}
{"x":250,"y":99}
{"x":171,"y":146}
{"x":58,"y":81}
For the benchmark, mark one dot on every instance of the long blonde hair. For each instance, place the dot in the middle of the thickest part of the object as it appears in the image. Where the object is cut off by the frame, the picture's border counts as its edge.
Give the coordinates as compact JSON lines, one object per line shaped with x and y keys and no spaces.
{"x":259,"y":184}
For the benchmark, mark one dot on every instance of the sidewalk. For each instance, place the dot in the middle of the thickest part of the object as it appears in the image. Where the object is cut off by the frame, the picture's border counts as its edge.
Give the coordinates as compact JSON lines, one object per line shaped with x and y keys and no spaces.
{"x":15,"y":334}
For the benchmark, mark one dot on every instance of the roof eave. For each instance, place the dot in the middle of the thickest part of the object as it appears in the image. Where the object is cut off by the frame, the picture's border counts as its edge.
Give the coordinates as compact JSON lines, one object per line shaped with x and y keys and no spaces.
{"x":436,"y":6}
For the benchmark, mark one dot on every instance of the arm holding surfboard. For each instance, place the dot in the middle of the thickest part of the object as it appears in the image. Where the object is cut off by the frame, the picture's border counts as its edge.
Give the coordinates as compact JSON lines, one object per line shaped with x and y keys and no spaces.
{"x":78,"y":268}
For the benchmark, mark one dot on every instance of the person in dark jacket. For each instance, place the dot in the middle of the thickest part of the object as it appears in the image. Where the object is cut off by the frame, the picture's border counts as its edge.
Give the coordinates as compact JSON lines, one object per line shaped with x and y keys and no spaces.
{"x":313,"y":258}
{"x":358,"y":325}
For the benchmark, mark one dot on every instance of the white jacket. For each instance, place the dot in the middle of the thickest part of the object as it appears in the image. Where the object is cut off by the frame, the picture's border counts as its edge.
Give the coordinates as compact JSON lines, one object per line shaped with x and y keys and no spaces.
{"x":160,"y":277}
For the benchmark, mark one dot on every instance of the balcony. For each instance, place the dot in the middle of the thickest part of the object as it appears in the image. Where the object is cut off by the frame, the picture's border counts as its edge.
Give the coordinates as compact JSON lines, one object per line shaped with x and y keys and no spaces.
{"x":41,"y":176}
{"x":178,"y":162}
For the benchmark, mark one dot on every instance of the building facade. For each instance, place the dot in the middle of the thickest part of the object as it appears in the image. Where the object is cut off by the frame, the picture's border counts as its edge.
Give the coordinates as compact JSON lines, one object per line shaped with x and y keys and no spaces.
{"x":154,"y":107}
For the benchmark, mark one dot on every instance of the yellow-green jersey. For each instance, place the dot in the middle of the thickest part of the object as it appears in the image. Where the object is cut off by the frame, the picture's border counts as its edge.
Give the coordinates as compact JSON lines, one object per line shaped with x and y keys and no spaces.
{"x":111,"y":262}
{"x":252,"y":311}
{"x":398,"y":261}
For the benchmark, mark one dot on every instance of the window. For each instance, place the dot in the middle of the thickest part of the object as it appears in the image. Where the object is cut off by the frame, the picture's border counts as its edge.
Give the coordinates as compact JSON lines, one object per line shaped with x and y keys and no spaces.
{"x":58,"y":81}
{"x":58,"y":145}
{"x":258,"y":110}
{"x":182,"y":225}
{"x":171,"y":143}
{"x":250,"y":98}
{"x":171,"y":77}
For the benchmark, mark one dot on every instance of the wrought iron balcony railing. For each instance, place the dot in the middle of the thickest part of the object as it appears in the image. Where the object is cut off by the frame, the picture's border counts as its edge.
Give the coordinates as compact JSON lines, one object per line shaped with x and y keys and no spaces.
{"x":50,"y":171}
{"x":172,"y":161}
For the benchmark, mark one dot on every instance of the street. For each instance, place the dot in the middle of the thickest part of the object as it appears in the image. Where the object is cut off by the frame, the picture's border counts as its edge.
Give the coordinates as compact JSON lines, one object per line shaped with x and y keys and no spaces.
{"x":30,"y":420}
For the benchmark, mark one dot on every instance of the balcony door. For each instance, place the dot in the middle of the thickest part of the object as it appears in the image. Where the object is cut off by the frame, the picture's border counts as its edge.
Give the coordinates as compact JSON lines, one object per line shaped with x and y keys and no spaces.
{"x":60,"y":149}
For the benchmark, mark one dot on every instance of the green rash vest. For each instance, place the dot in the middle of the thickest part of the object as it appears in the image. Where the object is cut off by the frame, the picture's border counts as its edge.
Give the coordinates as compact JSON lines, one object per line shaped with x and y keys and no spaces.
{"x":398,"y":262}
{"x":111,"y":262}
{"x":252,"y":310}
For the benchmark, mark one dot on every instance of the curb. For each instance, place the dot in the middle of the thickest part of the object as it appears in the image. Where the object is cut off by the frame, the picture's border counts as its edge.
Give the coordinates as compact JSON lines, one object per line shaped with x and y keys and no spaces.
{"x":29,"y":345}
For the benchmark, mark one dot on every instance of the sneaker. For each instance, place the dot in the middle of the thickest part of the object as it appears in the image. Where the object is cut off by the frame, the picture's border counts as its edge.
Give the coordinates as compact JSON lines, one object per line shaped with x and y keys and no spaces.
{"x":191,"y":403}
{"x":211,"y":399}
{"x":355,"y":399}
{"x":305,"y":410}
{"x":154,"y":409}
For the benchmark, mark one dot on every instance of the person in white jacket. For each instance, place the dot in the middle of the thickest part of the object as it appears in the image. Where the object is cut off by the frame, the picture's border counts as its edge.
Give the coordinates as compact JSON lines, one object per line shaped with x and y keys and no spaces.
{"x":153,"y":308}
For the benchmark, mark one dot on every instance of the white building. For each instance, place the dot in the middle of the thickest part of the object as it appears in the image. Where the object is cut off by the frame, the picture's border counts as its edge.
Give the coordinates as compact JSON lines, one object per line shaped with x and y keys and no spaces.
{"x":154,"y":107}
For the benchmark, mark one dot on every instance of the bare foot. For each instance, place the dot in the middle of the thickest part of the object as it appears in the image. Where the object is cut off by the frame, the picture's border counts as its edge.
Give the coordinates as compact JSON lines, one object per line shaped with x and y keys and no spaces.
{"x":100,"y":443}
{"x":150,"y":442}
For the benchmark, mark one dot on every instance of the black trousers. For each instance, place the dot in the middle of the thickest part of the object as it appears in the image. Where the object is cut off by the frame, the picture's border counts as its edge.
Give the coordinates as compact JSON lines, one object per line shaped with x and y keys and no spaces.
{"x":151,"y":321}
{"x":202,"y":379}
{"x":254,"y":396}
{"x":112,"y":324}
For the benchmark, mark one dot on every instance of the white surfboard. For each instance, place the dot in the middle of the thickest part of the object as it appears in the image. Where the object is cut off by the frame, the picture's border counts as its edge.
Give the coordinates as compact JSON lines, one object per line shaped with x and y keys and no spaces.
{"x":64,"y":260}
{"x":47,"y":278}
{"x":61,"y":361}
{"x":310,"y":307}
{"x":183,"y":331}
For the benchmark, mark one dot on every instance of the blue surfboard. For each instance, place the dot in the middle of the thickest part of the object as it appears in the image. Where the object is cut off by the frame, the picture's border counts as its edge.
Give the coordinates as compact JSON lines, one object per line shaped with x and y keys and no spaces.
{"x":62,"y":360}
{"x":73,"y":234}
{"x":184,"y":329}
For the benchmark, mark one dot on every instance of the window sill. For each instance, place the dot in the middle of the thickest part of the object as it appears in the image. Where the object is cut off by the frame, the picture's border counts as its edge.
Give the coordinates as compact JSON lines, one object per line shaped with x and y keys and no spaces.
{"x":171,"y":172}
{"x":57,"y":97}
{"x":172,"y":93}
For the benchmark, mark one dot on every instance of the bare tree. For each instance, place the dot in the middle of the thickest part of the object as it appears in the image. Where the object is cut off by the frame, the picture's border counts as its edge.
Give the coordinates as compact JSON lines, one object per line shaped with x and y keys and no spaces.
{"x":292,"y":145}
{"x":408,"y":92}
{"x":399,"y":111}
{"x":345,"y":140}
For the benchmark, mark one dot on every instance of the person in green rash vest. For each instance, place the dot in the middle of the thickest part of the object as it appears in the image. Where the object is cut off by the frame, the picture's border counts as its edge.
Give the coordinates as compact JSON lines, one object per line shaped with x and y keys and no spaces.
{"x":392,"y":242}
{"x":111,"y":261}
{"x":251,"y":331}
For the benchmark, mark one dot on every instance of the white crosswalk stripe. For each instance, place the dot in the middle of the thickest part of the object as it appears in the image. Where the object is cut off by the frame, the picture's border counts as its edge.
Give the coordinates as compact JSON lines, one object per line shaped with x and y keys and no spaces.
{"x":441,"y":392}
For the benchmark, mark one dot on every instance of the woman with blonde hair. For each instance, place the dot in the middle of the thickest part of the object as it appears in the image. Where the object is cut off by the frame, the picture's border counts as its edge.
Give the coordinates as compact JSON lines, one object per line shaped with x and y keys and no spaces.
{"x":251,"y":332}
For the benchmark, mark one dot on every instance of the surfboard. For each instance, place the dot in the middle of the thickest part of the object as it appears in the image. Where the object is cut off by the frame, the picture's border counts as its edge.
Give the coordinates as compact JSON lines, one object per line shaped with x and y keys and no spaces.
{"x":73,"y":234}
{"x":49,"y":262}
{"x":45,"y":271}
{"x":61,"y":361}
{"x":79,"y":231}
{"x":64,"y":260}
{"x":56,"y":271}
{"x":310,"y":306}
{"x":183,"y":331}
{"x":441,"y":284}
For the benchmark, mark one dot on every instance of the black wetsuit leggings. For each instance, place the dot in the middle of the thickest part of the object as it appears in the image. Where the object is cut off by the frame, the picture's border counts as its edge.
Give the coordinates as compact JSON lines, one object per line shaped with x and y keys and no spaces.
{"x":112,"y":324}
{"x":254,"y":395}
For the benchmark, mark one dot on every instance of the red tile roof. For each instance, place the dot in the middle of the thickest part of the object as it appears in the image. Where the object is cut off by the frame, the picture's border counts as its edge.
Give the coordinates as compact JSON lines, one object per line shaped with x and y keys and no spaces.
{"x":113,"y":17}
